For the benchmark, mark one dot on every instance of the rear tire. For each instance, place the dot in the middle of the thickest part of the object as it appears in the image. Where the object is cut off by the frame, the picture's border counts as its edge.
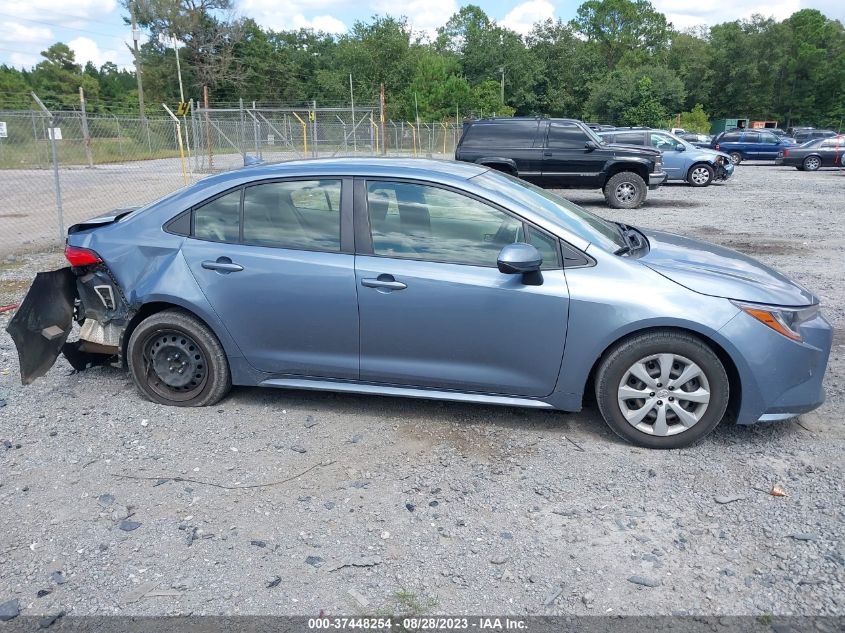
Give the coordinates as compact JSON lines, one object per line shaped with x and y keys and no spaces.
{"x":684,"y":385}
{"x":812,"y":163}
{"x":175,"y":359}
{"x":700,"y":175}
{"x":736,"y":158}
{"x":625,"y":190}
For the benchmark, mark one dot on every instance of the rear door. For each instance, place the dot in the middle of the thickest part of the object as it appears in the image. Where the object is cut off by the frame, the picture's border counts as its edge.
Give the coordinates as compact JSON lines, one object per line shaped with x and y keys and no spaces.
{"x":278,"y":268}
{"x":435,"y":311}
{"x":831,"y":151}
{"x":567,"y":161}
{"x":519,"y":140}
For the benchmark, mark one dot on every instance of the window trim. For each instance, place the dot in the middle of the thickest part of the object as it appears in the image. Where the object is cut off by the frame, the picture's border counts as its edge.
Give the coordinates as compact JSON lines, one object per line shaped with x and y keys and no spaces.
{"x":363,"y":234}
{"x":347,"y":245}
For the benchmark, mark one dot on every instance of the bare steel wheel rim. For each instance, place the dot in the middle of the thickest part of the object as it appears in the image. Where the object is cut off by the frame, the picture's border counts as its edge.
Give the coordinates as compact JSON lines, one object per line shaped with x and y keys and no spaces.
{"x":663,"y":394}
{"x":175,"y":367}
{"x":735,"y":158}
{"x":625,"y":192}
{"x":700,"y":175}
{"x":812,"y":163}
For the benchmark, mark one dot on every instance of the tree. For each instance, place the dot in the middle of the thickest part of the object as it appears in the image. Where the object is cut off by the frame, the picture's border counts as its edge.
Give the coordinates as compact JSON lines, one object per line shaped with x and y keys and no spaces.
{"x":57,"y":79}
{"x":629,"y":30}
{"x":696,"y":120}
{"x":636,"y":96}
{"x":207,"y":28}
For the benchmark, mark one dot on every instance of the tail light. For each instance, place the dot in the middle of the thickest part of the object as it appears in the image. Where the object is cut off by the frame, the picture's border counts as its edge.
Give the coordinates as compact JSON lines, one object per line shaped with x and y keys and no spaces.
{"x":785,"y":153}
{"x":81,"y":256}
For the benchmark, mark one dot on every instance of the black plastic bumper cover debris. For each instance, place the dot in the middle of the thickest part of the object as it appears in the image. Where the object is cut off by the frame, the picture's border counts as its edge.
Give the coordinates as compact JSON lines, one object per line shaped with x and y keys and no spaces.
{"x":43,"y":321}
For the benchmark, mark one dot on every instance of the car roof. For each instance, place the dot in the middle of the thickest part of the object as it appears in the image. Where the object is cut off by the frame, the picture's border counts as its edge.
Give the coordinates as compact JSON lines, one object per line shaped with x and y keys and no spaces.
{"x":510,"y":119}
{"x":366,"y":166}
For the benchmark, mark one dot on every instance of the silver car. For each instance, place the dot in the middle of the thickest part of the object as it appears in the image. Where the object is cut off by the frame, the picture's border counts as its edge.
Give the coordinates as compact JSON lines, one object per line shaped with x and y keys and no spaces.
{"x":426,"y":279}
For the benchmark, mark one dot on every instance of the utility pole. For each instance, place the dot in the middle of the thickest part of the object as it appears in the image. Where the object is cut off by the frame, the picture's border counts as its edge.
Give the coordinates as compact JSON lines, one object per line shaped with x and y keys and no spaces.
{"x":502,"y":70}
{"x":382,"y":115}
{"x":178,"y":70}
{"x":136,"y":35}
{"x":57,"y":182}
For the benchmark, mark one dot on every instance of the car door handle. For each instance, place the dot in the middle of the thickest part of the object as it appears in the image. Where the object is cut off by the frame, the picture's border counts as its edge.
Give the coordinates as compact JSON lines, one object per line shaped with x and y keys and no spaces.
{"x":222,"y":265}
{"x":383,"y":282}
{"x":547,"y":153}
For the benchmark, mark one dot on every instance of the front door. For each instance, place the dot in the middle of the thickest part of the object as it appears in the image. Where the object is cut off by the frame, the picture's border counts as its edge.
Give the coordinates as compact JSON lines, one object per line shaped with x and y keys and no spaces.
{"x":269,"y":259}
{"x":567,"y":161}
{"x":674,"y":162}
{"x":434,"y":309}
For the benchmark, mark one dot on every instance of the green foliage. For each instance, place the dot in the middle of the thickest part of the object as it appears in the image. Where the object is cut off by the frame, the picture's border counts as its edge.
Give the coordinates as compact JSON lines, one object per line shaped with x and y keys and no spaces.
{"x":618,"y":61}
{"x":696,"y":120}
{"x":636,"y":96}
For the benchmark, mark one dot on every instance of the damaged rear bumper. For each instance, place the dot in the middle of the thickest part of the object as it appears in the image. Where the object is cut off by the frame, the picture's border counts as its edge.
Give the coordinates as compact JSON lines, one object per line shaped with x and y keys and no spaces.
{"x":44,"y":321}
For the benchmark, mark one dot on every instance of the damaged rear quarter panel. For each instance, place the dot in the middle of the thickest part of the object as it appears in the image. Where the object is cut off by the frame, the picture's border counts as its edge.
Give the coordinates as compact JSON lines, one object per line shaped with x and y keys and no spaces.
{"x":148,"y":266}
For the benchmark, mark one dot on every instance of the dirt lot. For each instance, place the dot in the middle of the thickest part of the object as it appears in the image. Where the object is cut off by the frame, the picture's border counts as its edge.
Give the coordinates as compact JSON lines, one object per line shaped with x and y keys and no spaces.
{"x":281,"y":502}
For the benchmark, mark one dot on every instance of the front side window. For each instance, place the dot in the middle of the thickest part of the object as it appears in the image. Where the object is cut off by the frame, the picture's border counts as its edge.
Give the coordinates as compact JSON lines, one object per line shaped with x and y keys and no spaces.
{"x":415,"y":221}
{"x":567,"y":136}
{"x":219,"y":219}
{"x":301,"y":214}
{"x":663,"y":142}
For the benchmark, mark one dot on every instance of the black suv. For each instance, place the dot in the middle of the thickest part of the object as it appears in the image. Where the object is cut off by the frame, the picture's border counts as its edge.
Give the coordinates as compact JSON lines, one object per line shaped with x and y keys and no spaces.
{"x":562,"y":153}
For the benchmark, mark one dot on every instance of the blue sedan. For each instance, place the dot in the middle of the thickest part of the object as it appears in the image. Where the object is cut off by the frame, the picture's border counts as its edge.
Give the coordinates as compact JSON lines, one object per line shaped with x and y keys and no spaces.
{"x":426,"y":279}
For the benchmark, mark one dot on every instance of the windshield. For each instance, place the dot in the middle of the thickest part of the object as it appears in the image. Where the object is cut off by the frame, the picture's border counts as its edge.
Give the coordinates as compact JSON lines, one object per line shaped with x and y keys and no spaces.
{"x":591,"y":133}
{"x":555,"y":209}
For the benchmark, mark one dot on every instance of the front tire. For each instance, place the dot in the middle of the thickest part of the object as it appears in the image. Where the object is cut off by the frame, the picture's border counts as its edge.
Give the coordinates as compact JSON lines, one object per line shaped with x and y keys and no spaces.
{"x":700,"y":175}
{"x":736,"y":158}
{"x":662,"y":389}
{"x":175,"y":359}
{"x":625,"y":190}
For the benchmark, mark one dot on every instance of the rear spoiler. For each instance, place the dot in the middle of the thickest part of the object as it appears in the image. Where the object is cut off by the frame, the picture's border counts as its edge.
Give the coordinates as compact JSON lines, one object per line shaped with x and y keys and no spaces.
{"x":101,"y":220}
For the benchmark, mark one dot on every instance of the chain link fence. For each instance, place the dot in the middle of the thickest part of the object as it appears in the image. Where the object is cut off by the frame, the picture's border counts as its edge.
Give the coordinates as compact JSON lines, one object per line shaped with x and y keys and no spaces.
{"x":106,"y":162}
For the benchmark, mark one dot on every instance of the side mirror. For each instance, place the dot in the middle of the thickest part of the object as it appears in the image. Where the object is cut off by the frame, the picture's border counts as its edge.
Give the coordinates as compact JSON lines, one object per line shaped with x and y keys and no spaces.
{"x":524,"y":259}
{"x":591,"y":145}
{"x":680,"y":147}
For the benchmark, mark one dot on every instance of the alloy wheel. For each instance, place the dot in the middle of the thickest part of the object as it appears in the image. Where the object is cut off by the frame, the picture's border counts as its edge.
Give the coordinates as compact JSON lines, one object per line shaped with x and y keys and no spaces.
{"x":700,"y":175}
{"x":812,"y":163}
{"x":663,"y":394}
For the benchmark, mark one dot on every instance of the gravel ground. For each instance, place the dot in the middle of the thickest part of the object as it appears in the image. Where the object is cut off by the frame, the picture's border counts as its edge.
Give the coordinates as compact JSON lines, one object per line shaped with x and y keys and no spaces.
{"x":285,"y":502}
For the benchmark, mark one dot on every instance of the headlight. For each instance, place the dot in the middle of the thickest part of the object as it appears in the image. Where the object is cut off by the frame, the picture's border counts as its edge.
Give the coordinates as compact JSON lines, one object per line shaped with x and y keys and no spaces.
{"x":786,"y":321}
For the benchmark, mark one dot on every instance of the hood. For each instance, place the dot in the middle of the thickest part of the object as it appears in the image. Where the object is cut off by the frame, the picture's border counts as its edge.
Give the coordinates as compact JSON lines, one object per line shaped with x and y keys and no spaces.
{"x":709,"y":153}
{"x":720,"y":272}
{"x":632,"y":150}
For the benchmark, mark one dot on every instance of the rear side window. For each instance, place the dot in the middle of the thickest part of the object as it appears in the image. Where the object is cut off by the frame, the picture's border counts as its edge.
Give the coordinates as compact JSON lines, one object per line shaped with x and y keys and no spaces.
{"x":219,"y":220}
{"x":630,"y":138}
{"x":751,"y":137}
{"x":511,"y":134}
{"x":302,"y":215}
{"x":731,"y":137}
{"x":566,"y":135}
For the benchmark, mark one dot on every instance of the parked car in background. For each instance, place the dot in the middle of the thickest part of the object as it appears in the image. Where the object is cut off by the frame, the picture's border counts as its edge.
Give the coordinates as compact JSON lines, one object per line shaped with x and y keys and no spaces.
{"x":810,"y":134}
{"x":562,"y":153}
{"x":699,"y":140}
{"x":815,"y":154}
{"x":681,"y":160}
{"x":427,"y":279}
{"x":749,"y":145}
{"x":600,"y":127}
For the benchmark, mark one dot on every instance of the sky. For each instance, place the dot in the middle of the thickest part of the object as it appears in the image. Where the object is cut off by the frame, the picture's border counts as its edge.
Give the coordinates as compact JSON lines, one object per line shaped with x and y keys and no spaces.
{"x":94,"y":29}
